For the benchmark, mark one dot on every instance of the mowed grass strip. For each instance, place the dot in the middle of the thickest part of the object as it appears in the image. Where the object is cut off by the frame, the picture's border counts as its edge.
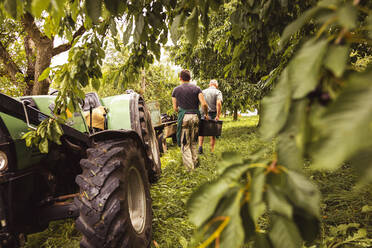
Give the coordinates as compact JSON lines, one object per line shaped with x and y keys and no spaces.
{"x":171,"y":227}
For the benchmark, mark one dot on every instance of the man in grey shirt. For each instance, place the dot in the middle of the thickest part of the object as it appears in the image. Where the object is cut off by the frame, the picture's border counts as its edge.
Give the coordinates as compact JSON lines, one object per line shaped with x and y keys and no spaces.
{"x":213,"y":97}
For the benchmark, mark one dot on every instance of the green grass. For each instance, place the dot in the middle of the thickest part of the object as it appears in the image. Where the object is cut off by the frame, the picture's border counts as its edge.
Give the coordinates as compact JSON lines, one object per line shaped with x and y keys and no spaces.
{"x":171,"y":228}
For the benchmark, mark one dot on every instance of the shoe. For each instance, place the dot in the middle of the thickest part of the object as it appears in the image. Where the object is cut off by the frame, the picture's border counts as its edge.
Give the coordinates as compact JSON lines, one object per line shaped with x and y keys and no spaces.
{"x":200,"y":150}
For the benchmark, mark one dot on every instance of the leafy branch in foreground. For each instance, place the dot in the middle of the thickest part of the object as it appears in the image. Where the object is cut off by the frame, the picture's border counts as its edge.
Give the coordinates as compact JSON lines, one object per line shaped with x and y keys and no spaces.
{"x":320,"y":110}
{"x":227,"y":210}
{"x":48,"y":130}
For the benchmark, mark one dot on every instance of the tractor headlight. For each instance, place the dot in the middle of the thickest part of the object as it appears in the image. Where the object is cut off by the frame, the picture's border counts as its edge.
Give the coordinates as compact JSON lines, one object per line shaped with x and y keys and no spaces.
{"x":3,"y":161}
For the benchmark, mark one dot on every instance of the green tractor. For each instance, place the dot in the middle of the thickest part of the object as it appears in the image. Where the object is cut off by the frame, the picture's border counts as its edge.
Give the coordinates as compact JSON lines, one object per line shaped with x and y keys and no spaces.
{"x":100,"y":174}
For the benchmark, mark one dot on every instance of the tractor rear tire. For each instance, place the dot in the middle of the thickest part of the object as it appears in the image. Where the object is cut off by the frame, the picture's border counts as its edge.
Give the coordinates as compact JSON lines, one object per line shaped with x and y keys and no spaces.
{"x":114,"y":202}
{"x":151,"y":142}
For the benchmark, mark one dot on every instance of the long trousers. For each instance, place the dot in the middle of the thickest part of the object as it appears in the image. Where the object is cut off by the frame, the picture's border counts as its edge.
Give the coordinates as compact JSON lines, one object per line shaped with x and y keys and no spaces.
{"x":189,"y":135}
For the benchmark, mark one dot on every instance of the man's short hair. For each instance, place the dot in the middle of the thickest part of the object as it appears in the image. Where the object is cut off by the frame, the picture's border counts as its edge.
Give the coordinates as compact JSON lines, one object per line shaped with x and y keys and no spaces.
{"x":185,"y":75}
{"x":213,"y":82}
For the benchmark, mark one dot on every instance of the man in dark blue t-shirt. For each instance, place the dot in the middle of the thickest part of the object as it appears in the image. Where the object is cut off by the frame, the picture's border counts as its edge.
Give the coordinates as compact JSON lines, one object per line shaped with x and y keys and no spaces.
{"x":186,"y":98}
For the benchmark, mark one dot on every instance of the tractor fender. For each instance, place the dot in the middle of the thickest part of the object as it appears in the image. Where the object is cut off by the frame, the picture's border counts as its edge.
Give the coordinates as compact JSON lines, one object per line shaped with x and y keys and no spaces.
{"x":121,"y":134}
{"x":134,"y":113}
{"x":114,"y":134}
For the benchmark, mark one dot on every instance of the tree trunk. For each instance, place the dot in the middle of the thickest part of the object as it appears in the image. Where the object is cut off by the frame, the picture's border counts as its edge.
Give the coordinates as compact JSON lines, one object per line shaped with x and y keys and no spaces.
{"x":235,"y":114}
{"x":39,"y":52}
{"x":43,"y":59}
{"x":30,"y":72}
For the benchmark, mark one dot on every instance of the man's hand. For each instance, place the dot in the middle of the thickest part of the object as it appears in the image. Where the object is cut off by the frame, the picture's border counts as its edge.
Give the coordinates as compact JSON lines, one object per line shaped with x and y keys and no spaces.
{"x":217,"y":118}
{"x":207,"y":117}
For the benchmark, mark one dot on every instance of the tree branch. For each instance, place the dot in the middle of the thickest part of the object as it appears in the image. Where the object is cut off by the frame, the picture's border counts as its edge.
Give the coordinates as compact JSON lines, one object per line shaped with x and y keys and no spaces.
{"x":10,"y":66}
{"x":64,"y":47}
{"x":31,"y":29}
{"x":30,"y":53}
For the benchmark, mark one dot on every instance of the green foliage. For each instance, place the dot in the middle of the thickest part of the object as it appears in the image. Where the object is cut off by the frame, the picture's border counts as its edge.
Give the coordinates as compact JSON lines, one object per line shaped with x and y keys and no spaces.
{"x":160,"y":80}
{"x":296,"y":192}
{"x":59,"y":234}
{"x":171,"y":227}
{"x":48,"y":130}
{"x":7,"y":87}
{"x":319,"y":109}
{"x":315,"y":75}
{"x":84,"y":68}
{"x":156,"y":82}
{"x":242,"y":39}
{"x":342,"y":208}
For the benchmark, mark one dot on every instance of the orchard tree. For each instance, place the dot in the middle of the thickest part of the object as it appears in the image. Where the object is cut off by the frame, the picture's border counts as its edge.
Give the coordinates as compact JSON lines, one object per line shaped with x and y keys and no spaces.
{"x":27,"y":44}
{"x":155,"y":82}
{"x":239,"y":47}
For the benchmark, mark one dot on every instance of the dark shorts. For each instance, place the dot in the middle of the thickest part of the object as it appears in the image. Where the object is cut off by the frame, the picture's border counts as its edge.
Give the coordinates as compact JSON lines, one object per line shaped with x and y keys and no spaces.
{"x":212,"y":115}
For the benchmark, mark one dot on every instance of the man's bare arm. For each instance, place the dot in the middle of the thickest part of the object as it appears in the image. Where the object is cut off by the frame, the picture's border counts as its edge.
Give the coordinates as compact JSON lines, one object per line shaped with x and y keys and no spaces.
{"x":219,"y":107}
{"x":203,"y":105}
{"x":174,"y":101}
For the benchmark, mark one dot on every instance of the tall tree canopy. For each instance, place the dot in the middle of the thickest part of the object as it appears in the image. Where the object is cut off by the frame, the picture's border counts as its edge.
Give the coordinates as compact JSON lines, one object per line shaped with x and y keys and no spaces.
{"x":240,"y":46}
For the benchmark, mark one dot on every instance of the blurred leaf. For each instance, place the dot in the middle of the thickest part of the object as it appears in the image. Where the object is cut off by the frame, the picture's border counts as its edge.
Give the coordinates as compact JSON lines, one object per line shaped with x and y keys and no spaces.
{"x":140,"y":24}
{"x":128,"y":32}
{"x":278,"y":203}
{"x":257,"y":207}
{"x":113,"y":6}
{"x":204,"y":200}
{"x":275,"y":108}
{"x":304,"y":69}
{"x":11,"y":7}
{"x":336,"y":59}
{"x":58,"y":6}
{"x":45,"y":74}
{"x":233,"y":234}
{"x":369,"y":23}
{"x":247,"y":222}
{"x":303,"y":193}
{"x":43,"y":145}
{"x":345,"y":128}
{"x":192,"y":27}
{"x":38,"y":6}
{"x":362,"y":163}
{"x":297,"y":24}
{"x":292,"y":139}
{"x":113,"y":28}
{"x":307,"y":224}
{"x":347,"y":16}
{"x":95,"y":83}
{"x":174,"y":30}
{"x":284,"y":233}
{"x":94,"y":9}
{"x":261,"y":241}
{"x":228,"y":159}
